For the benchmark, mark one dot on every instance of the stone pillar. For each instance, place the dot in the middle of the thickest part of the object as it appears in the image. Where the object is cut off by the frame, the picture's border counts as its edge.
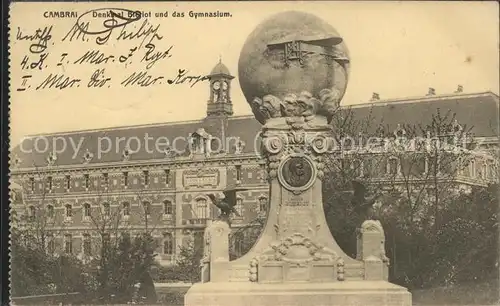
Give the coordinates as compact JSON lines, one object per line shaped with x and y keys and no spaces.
{"x":371,"y":250}
{"x":215,"y":262}
{"x":294,"y":82}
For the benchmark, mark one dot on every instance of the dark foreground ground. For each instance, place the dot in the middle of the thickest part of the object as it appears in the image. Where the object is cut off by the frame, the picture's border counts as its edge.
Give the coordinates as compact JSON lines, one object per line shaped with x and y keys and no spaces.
{"x":478,"y":294}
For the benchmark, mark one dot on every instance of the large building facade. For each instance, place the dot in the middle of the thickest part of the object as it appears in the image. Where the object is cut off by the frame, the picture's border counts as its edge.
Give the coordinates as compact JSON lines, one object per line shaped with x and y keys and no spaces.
{"x":157,"y":176}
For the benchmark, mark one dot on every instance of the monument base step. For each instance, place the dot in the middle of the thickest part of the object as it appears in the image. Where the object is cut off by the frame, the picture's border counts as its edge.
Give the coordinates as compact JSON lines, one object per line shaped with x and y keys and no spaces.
{"x":348,"y":293}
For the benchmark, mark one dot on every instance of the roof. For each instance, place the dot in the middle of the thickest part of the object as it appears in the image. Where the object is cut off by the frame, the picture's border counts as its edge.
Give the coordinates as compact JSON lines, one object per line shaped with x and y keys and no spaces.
{"x":477,"y":111}
{"x":220,"y":68}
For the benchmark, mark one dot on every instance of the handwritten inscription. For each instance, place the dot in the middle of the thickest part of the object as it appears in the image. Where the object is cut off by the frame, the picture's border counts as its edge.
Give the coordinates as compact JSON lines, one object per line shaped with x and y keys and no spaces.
{"x":136,"y":41}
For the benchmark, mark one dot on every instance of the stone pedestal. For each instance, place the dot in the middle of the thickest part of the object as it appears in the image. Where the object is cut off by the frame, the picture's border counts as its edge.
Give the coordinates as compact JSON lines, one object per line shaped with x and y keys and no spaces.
{"x":215,"y":265}
{"x":289,"y":80}
{"x":353,"y":293}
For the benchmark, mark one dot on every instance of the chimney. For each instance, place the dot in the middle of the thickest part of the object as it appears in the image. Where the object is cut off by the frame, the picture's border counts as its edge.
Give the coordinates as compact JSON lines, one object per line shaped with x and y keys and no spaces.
{"x":375,"y":97}
{"x":431,"y":92}
{"x":460,"y":89}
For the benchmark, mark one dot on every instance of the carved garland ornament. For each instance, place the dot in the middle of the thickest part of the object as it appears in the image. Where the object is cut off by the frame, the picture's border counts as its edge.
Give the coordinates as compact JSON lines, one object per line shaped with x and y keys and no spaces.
{"x":283,"y":251}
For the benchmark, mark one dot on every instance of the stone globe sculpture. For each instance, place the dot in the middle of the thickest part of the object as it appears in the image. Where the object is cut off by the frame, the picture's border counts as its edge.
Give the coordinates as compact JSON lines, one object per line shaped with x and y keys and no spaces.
{"x":293,"y":64}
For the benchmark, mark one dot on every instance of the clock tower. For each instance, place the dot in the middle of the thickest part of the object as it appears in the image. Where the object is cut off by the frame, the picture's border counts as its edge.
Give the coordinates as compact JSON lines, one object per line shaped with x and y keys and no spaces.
{"x":220,"y":103}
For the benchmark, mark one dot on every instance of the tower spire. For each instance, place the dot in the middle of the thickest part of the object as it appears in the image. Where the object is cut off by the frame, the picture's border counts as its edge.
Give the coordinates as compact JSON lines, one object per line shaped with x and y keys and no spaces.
{"x":220,"y":91}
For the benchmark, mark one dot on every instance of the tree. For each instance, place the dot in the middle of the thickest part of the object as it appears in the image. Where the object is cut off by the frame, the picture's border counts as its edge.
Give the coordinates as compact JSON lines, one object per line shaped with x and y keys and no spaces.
{"x":110,"y":267}
{"x":351,"y":158}
{"x":418,"y":169}
{"x":36,"y":267}
{"x":121,"y":262}
{"x":187,"y":267}
{"x":243,"y":238}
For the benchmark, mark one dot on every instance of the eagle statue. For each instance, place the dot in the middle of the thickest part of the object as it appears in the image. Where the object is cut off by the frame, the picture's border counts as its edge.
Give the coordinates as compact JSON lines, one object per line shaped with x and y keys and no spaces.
{"x":226,"y":204}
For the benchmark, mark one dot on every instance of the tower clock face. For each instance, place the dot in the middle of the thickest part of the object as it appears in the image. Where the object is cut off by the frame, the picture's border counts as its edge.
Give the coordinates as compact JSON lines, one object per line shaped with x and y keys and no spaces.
{"x":224,"y":85}
{"x":216,"y":85}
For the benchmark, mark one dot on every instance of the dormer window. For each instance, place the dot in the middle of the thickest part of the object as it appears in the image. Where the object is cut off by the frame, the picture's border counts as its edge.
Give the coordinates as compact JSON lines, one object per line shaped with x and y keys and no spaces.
{"x":200,"y":142}
{"x":87,"y":157}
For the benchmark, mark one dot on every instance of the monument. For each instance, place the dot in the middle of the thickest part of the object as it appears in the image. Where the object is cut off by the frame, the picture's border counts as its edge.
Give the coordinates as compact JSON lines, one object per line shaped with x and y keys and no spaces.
{"x":293,"y":70}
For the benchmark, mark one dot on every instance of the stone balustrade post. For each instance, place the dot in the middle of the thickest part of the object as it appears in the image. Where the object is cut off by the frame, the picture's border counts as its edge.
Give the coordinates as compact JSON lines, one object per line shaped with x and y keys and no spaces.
{"x":371,"y":250}
{"x":215,"y":262}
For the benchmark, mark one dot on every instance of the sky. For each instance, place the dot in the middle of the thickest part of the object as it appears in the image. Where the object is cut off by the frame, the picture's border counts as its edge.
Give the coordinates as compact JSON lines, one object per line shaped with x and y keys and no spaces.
{"x":397,"y":49}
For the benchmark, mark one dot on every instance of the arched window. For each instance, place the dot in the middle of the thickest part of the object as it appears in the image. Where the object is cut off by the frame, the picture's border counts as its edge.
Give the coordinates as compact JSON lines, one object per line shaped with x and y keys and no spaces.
{"x":126,"y":209}
{"x":484,"y":171}
{"x":262,"y":204}
{"x":51,"y":244}
{"x":31,"y":212}
{"x":87,"y":245}
{"x":239,"y":206}
{"x":86,"y":210}
{"x":107,"y":210}
{"x":69,"y":211}
{"x":199,"y":240}
{"x":50,"y":211}
{"x":106,"y":239}
{"x":68,"y":244}
{"x":168,"y":244}
{"x":473,"y":168}
{"x":392,"y":166}
{"x":238,"y":243}
{"x":147,"y":208}
{"x":201,"y":208}
{"x":168,"y":207}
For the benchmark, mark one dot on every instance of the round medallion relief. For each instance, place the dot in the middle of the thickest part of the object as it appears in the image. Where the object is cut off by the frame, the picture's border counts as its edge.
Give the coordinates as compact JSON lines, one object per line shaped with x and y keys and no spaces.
{"x":297,"y":173}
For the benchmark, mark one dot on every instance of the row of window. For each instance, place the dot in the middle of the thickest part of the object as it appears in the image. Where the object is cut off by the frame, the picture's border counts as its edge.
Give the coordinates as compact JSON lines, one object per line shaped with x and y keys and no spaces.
{"x":201,"y":208}
{"x":105,"y":180}
{"x":394,"y":166}
{"x":167,"y":244}
{"x":168,"y":209}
